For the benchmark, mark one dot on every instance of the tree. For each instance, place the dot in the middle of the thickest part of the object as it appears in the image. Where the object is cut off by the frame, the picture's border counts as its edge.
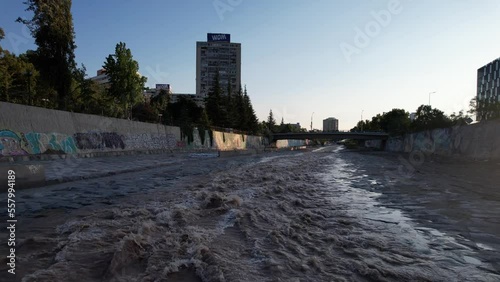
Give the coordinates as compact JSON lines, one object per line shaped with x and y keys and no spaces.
{"x":233,"y":115}
{"x":485,"y":109}
{"x":216,"y":105}
{"x":460,"y":118}
{"x":395,"y":122}
{"x":186,"y":114}
{"x":234,"y":110}
{"x":2,"y":36}
{"x":161,"y":101}
{"x":17,"y":78}
{"x":251,"y":123}
{"x":271,"y":122}
{"x":126,"y":84}
{"x":52,"y":28}
{"x":240,"y":110}
{"x":82,"y":93}
{"x":145,"y":112}
{"x":428,"y":118}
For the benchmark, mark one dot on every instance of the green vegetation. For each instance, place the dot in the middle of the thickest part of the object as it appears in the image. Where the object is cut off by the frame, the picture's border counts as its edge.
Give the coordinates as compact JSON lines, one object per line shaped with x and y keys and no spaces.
{"x":49,"y":77}
{"x":229,"y":109}
{"x":52,"y":28}
{"x":18,"y":77}
{"x":485,"y":109}
{"x":126,"y":84}
{"x":397,"y":121}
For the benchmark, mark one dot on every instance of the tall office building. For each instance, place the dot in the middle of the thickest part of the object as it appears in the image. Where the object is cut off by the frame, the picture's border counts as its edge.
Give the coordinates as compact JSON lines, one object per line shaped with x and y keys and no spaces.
{"x":218,"y":54}
{"x":330,"y":125}
{"x":488,"y":86}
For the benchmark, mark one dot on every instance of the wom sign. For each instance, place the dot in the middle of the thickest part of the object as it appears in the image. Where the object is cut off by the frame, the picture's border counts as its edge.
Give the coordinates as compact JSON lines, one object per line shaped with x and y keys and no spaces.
{"x":220,"y":37}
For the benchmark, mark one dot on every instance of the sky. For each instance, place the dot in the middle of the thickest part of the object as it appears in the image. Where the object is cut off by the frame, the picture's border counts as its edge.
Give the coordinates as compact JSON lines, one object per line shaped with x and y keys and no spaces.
{"x":303,"y":59}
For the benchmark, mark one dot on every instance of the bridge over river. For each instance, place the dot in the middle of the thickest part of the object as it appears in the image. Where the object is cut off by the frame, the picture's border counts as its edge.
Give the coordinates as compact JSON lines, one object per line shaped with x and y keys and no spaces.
{"x":332,"y":135}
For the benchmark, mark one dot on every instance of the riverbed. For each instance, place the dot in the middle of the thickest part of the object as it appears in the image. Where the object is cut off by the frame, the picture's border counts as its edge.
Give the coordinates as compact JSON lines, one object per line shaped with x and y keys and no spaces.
{"x":318,"y":215}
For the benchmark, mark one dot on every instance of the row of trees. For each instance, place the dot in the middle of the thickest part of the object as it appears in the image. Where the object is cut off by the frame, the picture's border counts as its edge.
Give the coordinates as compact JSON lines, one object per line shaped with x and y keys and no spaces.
{"x":398,"y":122}
{"x":17,"y":76}
{"x":230,"y":109}
{"x":270,"y":126}
{"x":49,"y":77}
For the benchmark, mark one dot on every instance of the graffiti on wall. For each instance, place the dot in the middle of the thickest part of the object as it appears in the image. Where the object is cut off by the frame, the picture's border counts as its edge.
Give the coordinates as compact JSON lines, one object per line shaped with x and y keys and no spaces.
{"x":99,"y":141}
{"x":39,"y":143}
{"x":11,"y":144}
{"x":233,"y":141}
{"x":290,"y":143}
{"x":150,"y":141}
{"x":14,"y":144}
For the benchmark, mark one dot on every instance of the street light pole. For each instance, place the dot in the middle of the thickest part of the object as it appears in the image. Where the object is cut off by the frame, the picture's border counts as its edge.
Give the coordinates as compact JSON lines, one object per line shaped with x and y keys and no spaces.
{"x":312,"y":121}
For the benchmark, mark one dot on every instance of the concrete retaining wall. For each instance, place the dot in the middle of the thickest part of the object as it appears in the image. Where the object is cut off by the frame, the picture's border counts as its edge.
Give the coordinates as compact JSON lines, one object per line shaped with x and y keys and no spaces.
{"x":224,"y":141}
{"x":290,"y":143}
{"x":26,"y":130}
{"x":477,"y":141}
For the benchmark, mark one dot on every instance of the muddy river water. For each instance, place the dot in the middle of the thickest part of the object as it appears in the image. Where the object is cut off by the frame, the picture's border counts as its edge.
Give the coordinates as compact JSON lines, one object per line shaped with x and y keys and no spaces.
{"x":318,"y":215}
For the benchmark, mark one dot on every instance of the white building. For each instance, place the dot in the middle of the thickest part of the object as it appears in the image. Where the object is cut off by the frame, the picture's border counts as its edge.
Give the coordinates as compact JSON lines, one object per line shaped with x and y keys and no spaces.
{"x":330,"y":124}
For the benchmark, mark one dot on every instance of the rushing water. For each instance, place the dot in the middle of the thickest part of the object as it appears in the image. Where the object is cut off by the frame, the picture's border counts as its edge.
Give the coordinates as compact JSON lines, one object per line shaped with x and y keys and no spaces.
{"x":299,"y":217}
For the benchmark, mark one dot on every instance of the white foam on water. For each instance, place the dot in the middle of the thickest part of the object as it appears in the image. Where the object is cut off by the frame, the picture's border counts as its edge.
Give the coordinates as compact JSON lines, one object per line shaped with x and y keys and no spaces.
{"x":484,"y":247}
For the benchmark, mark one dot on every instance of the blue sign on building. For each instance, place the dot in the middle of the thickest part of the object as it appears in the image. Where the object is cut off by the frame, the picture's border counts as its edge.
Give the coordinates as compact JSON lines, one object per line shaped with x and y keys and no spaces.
{"x":211,"y":37}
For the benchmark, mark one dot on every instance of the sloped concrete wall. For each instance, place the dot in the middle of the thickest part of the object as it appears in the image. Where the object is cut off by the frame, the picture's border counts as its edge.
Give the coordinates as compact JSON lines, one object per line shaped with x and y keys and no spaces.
{"x":225,"y":141}
{"x":290,"y":143}
{"x":477,"y":141}
{"x":26,"y":130}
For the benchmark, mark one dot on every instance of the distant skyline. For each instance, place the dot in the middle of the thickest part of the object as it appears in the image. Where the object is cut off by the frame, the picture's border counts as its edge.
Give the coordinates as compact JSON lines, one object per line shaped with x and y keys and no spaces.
{"x":334,"y":58}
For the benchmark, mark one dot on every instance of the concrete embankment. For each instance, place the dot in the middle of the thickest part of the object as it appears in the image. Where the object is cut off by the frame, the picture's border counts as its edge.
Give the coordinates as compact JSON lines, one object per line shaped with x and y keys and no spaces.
{"x":27,"y":131}
{"x":37,"y":135}
{"x":480,"y":141}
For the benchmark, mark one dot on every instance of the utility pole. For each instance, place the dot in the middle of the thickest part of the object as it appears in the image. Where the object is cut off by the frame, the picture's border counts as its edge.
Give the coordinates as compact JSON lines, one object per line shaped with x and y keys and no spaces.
{"x":312,"y":121}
